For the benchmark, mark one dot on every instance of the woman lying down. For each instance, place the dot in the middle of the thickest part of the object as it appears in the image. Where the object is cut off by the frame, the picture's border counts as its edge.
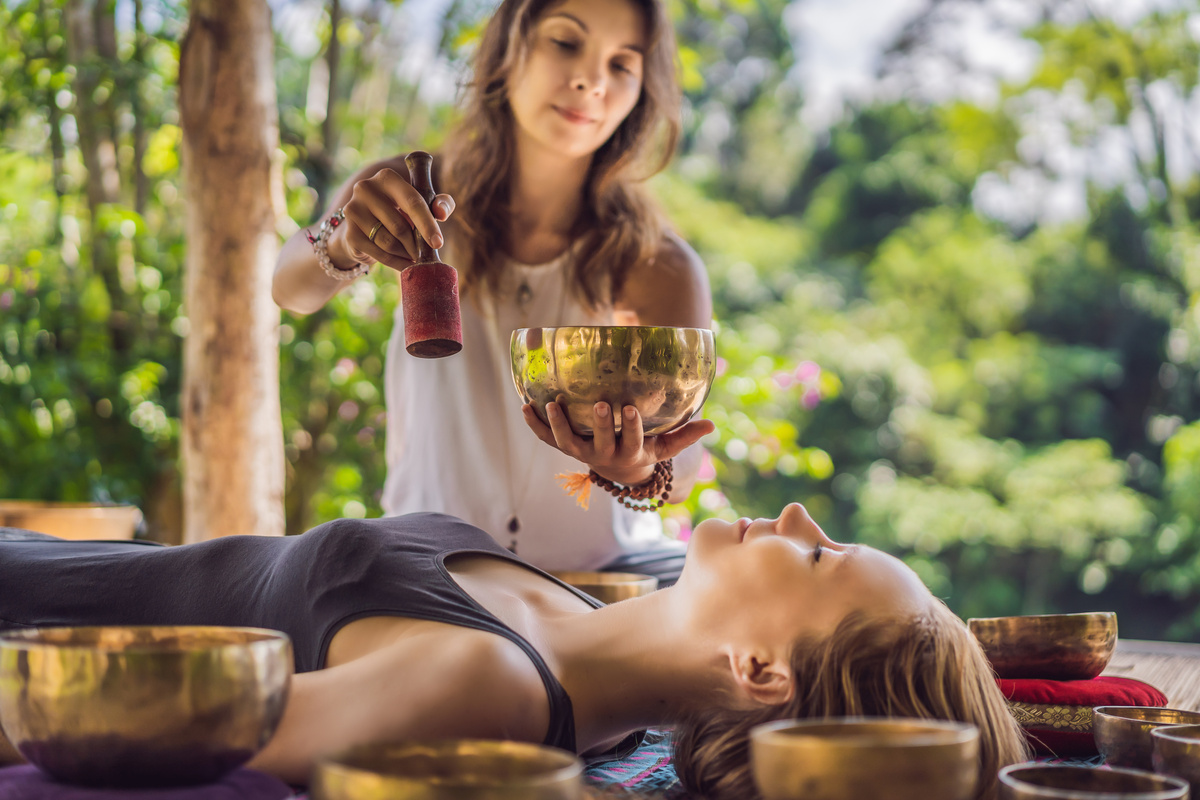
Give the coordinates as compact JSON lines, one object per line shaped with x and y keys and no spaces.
{"x":421,"y":626}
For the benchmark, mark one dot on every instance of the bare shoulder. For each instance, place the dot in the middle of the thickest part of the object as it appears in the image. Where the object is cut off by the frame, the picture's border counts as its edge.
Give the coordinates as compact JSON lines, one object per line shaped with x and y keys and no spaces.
{"x":669,"y":288}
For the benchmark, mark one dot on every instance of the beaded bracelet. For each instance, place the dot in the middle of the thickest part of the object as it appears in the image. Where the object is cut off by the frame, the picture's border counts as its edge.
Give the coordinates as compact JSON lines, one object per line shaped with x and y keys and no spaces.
{"x":578,"y":485}
{"x":320,"y":244}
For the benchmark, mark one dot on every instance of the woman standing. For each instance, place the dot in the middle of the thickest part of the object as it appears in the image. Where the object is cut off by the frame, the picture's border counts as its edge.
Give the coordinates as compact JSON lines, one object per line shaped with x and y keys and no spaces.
{"x":573,"y":103}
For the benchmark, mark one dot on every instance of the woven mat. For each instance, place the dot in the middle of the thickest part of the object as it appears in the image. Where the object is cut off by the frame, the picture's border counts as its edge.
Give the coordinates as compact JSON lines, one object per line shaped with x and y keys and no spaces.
{"x":1173,"y":668}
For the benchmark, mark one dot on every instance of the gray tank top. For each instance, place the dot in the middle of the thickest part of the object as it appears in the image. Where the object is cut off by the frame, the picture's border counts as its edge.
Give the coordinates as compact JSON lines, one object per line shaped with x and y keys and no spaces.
{"x":307,"y":586}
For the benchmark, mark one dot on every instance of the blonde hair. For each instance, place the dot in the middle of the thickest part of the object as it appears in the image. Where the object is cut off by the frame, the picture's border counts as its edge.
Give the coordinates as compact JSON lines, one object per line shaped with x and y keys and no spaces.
{"x":619,"y":225}
{"x":928,"y":666}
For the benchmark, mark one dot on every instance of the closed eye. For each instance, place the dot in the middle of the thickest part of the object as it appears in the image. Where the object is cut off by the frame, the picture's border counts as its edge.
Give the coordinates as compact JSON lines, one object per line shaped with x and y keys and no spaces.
{"x":817,"y":552}
{"x":562,"y":44}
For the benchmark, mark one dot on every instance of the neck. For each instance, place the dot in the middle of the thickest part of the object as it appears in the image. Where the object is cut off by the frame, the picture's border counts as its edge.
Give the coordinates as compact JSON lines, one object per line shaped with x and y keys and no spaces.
{"x":629,"y":666}
{"x":547,"y":190}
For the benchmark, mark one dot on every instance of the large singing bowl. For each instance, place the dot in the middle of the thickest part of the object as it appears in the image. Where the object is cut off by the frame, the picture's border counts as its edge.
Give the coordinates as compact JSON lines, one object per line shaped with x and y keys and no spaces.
{"x":142,"y":706}
{"x":665,"y":372}
{"x":1061,"y":647}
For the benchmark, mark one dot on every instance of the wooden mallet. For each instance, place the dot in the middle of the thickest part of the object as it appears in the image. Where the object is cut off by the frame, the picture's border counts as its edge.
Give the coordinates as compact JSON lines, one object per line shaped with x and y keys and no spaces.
{"x":432,"y":321}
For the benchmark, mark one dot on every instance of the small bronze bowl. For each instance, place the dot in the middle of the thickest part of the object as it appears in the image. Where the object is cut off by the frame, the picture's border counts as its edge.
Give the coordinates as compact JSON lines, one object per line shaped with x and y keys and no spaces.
{"x":609,"y":587}
{"x":1031,"y":781}
{"x":1123,"y":732}
{"x":853,"y":758}
{"x":142,"y":706}
{"x":1060,"y":647}
{"x":454,"y":769}
{"x":665,"y":372}
{"x":1176,"y":752}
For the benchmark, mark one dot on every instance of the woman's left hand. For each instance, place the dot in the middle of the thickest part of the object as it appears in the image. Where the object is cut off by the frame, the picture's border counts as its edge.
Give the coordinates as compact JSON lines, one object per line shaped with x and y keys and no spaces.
{"x":627,"y":460}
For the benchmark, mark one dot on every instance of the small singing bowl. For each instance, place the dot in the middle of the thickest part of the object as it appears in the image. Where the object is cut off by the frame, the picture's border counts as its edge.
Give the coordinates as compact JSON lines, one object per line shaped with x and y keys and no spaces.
{"x":664,"y":372}
{"x":609,"y":587}
{"x":1122,"y":733}
{"x":1030,"y":781}
{"x":860,"y":757}
{"x":130,"y":707}
{"x":1061,"y":647}
{"x":1176,"y":752}
{"x":454,"y":769}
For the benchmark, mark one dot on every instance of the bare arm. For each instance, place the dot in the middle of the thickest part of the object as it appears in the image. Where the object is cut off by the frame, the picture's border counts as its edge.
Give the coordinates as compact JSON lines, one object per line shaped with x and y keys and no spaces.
{"x":8,"y":753}
{"x":445,"y":685}
{"x":379,"y":192}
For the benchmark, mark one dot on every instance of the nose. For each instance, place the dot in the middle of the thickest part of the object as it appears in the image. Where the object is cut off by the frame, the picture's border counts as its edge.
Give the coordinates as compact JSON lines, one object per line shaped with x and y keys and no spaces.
{"x":589,"y":77}
{"x":796,"y":521}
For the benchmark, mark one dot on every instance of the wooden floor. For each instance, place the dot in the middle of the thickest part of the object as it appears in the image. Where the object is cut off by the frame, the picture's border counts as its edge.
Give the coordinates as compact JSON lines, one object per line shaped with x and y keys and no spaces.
{"x":1172,"y":668}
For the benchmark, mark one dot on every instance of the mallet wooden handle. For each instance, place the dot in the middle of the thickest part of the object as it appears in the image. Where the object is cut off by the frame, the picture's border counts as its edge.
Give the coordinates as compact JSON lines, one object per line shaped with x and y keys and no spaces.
{"x":420,"y":175}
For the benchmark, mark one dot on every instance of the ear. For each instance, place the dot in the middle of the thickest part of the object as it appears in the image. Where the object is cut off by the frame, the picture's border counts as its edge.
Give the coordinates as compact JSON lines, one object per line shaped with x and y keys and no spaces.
{"x":762,"y":678}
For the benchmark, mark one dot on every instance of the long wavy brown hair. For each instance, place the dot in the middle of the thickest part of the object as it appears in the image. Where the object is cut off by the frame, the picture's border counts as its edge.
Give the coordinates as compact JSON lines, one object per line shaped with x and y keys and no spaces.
{"x":929,"y":667}
{"x":619,"y":225}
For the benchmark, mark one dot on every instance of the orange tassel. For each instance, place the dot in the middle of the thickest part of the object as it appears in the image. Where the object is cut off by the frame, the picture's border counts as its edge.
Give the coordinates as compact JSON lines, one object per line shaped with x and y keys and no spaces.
{"x":577,"y":485}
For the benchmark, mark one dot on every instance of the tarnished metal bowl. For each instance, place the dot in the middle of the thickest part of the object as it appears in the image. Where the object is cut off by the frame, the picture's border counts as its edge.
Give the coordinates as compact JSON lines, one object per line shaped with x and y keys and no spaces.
{"x":1030,"y":781}
{"x":610,"y":587}
{"x":1123,"y":732}
{"x":1062,"y":647}
{"x":665,"y":372}
{"x":1176,"y":752}
{"x":142,"y":706}
{"x":454,"y":769}
{"x":853,"y":758}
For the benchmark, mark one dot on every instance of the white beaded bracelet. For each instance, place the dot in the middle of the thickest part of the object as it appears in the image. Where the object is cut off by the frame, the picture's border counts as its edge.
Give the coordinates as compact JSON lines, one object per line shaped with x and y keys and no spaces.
{"x":320,"y":244}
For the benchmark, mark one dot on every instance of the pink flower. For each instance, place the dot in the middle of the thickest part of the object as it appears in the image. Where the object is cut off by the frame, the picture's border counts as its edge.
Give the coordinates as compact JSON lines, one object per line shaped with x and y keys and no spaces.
{"x":708,"y":470}
{"x":808,"y":371}
{"x":685,"y":531}
{"x":722,"y":365}
{"x":348,"y":410}
{"x":783,"y":379}
{"x":811,"y":399}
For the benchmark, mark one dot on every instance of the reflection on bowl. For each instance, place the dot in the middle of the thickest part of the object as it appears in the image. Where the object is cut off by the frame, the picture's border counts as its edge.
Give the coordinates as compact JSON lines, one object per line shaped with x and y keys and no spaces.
{"x":71,"y":520}
{"x":609,"y":587}
{"x":142,"y":706}
{"x":1063,"y":647}
{"x":853,"y":758}
{"x":454,"y":769}
{"x":665,"y":372}
{"x":1060,"y":782}
{"x":1123,"y":732}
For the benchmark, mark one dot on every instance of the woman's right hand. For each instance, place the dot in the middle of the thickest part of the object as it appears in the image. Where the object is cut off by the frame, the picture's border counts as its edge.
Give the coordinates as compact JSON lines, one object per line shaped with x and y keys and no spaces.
{"x":388,"y":198}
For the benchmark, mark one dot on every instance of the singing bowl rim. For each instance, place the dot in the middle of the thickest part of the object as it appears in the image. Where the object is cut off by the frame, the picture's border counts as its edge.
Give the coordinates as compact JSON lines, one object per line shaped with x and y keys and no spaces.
{"x":1038,"y":618}
{"x":1017,"y":784}
{"x":791,"y":733}
{"x":528,"y":328}
{"x":1106,"y":713}
{"x":1181,"y":734}
{"x":598,"y":578}
{"x":338,"y":763}
{"x":27,"y":639}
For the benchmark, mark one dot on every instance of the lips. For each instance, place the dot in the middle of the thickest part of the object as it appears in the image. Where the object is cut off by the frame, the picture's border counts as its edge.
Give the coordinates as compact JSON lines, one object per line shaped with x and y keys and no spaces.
{"x":743,"y":525}
{"x":574,"y":116}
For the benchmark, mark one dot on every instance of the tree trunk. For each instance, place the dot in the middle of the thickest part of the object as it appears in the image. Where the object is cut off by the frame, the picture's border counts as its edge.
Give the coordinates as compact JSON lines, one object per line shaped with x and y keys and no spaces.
{"x":232,"y":439}
{"x":141,"y":186}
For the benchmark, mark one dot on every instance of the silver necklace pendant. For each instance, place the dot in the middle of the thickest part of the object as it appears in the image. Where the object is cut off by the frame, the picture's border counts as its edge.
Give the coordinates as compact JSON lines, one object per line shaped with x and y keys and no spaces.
{"x":524,"y":294}
{"x":514,"y":525}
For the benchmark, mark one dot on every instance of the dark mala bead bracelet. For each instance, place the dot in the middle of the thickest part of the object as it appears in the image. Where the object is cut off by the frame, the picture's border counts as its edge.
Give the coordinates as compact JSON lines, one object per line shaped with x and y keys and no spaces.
{"x":641,"y":496}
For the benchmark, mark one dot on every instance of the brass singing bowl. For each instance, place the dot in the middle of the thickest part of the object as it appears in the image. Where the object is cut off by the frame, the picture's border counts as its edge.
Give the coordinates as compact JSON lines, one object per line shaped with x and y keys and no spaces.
{"x":71,"y":520}
{"x":1030,"y":781}
{"x":1176,"y":752}
{"x":453,"y":769}
{"x":1122,"y":733}
{"x":665,"y":372}
{"x":1062,"y":647}
{"x":609,"y":587}
{"x":142,"y":706}
{"x":860,"y":757}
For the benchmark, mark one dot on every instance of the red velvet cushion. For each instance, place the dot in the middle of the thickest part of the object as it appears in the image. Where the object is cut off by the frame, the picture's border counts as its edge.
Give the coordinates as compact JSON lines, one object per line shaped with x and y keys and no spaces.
{"x":1057,"y":715}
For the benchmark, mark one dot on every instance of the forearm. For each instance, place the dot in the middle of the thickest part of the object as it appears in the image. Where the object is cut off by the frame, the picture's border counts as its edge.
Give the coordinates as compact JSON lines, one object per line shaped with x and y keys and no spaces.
{"x":299,"y":284}
{"x":686,"y":468}
{"x":8,"y":753}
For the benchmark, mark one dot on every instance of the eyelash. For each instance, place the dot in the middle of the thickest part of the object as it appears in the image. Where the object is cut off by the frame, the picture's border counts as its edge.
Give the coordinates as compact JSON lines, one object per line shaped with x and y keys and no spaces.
{"x":571,"y":47}
{"x":817,"y":552}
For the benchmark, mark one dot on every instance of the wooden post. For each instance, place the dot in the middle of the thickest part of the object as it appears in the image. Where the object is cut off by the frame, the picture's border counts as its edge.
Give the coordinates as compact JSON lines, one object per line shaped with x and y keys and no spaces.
{"x":232,"y":439}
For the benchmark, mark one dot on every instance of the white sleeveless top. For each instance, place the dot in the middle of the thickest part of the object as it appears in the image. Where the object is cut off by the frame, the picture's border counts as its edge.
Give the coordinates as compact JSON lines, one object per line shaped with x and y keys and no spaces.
{"x":457,"y":442}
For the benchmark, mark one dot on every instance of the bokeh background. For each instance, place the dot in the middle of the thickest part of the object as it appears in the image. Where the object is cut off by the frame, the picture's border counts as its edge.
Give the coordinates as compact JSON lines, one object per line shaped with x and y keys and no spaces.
{"x":953,"y":247}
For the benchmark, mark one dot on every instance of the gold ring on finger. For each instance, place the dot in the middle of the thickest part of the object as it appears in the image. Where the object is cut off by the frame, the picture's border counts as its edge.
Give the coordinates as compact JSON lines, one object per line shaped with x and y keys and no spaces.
{"x":375,"y":230}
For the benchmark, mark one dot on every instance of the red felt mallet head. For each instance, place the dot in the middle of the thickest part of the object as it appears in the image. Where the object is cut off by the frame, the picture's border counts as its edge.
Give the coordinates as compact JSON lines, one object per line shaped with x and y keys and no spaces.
{"x":432,"y":323}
